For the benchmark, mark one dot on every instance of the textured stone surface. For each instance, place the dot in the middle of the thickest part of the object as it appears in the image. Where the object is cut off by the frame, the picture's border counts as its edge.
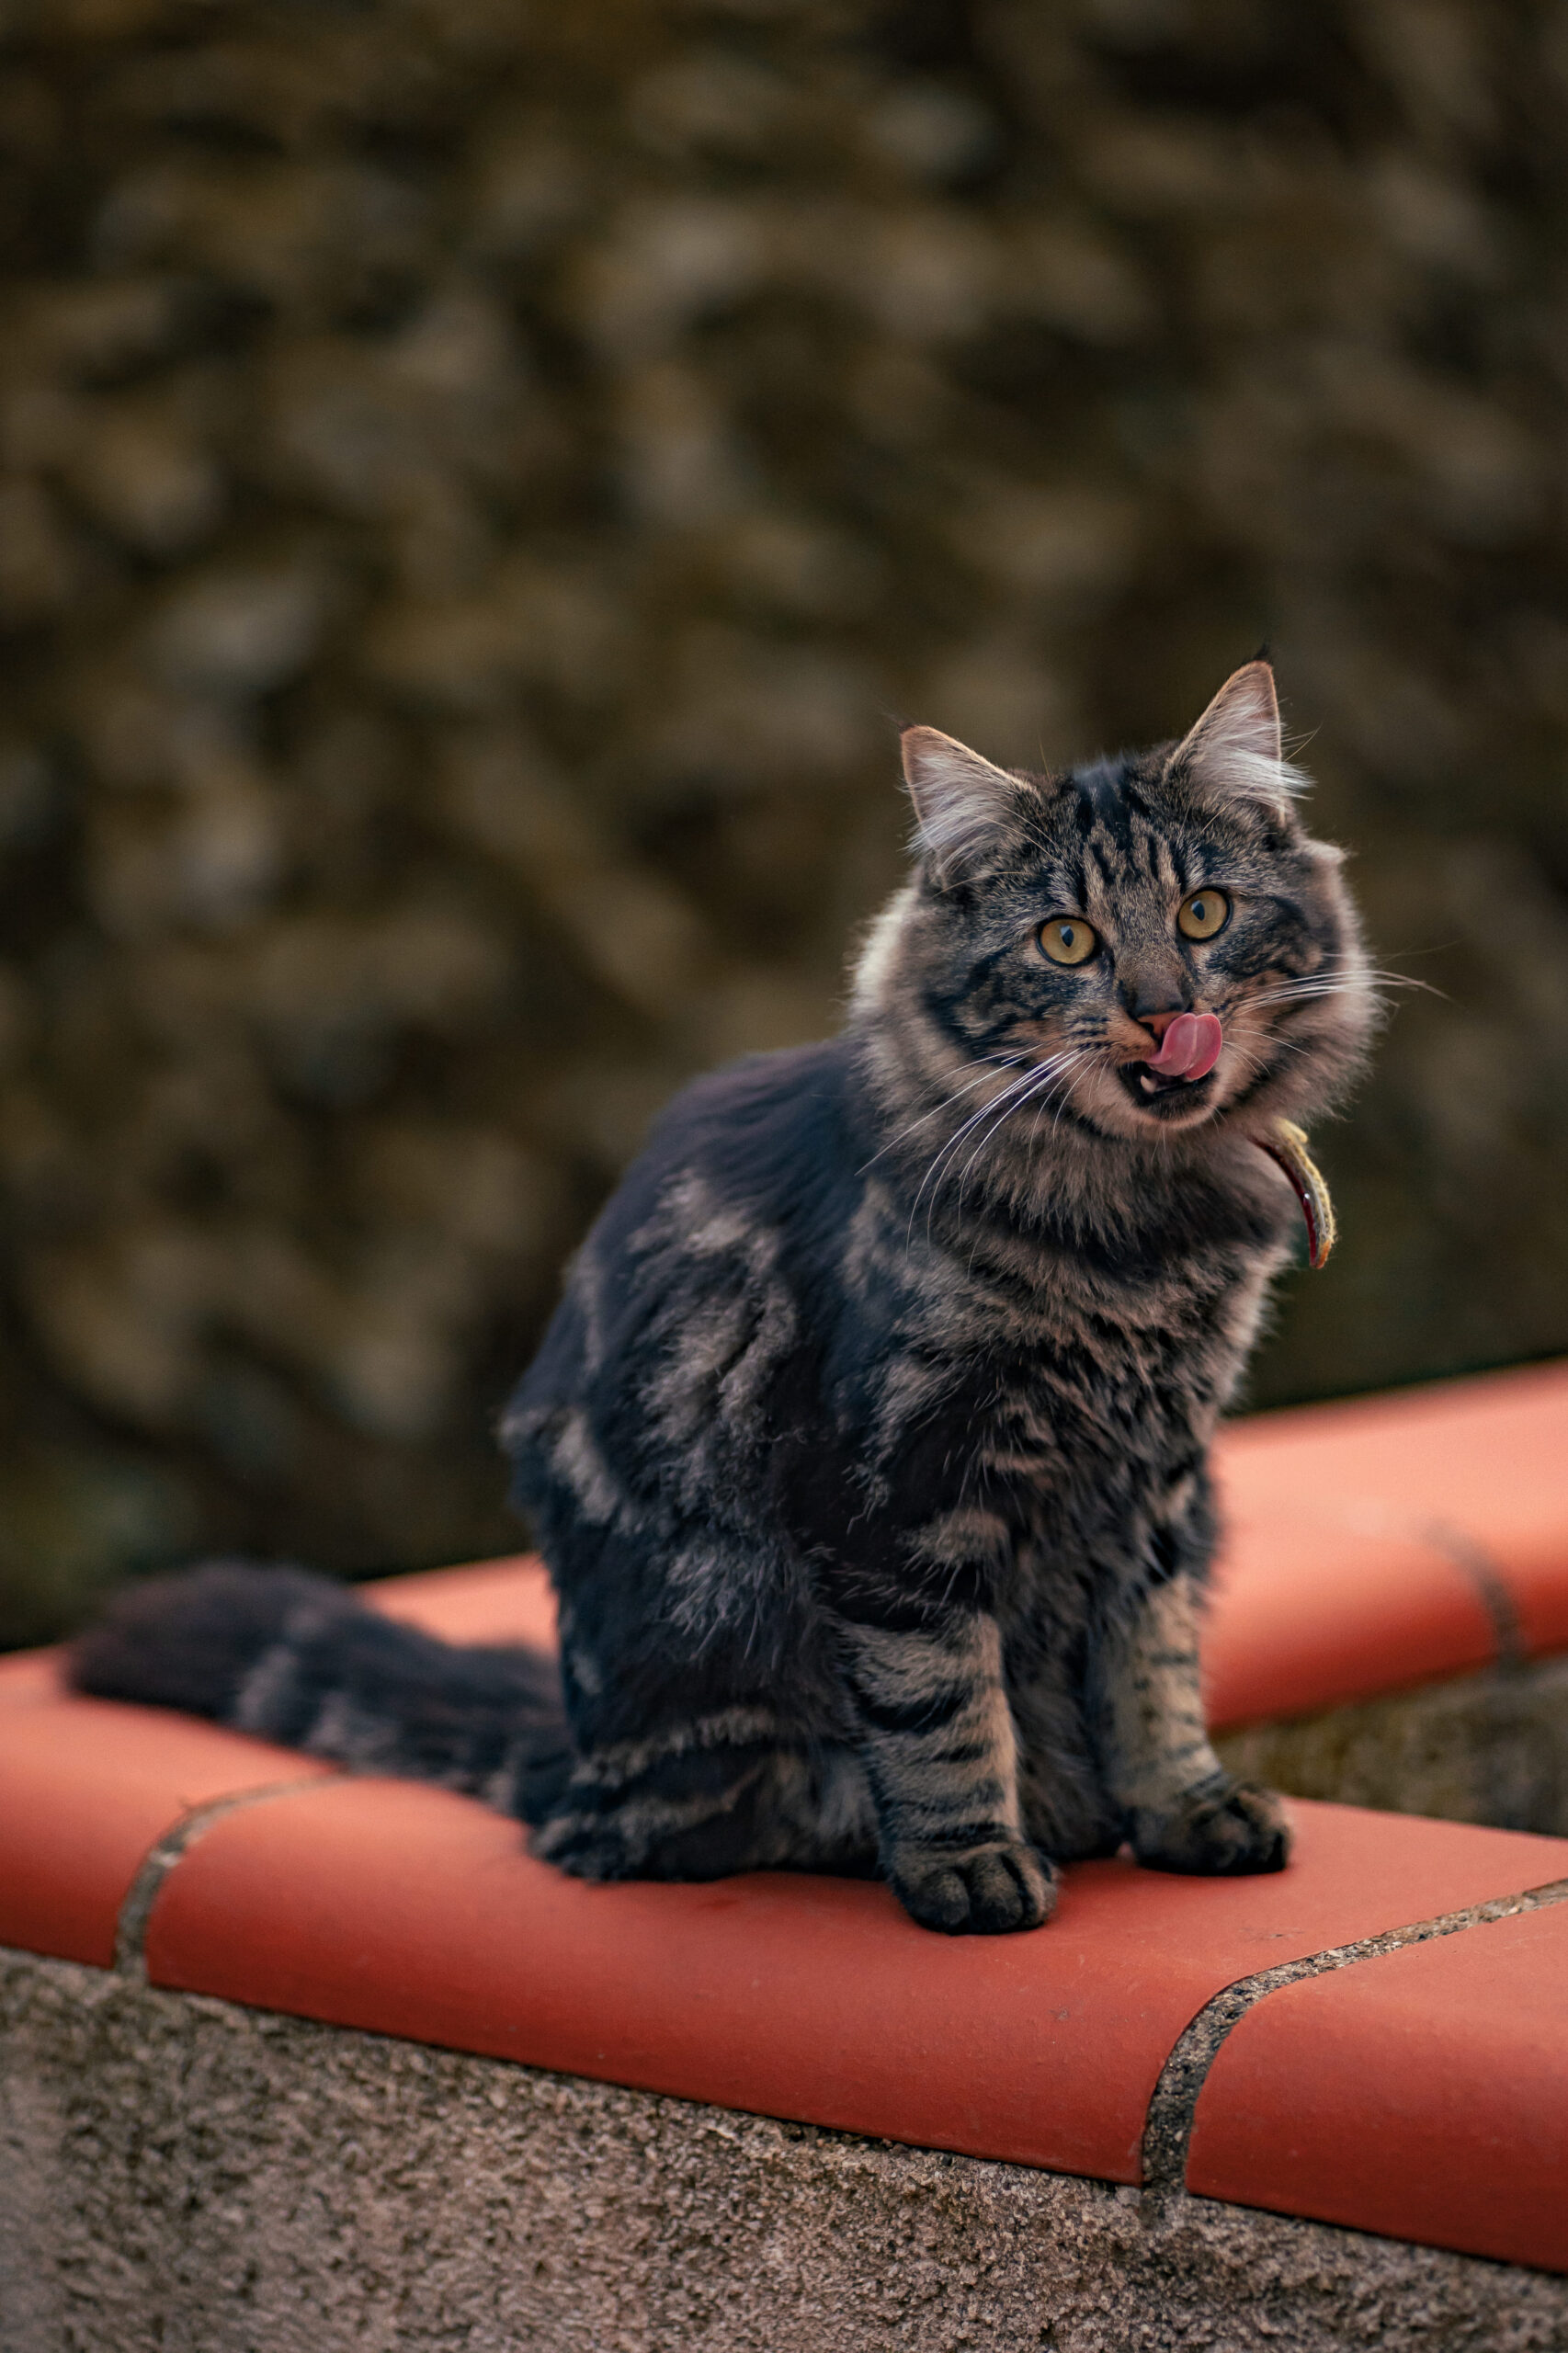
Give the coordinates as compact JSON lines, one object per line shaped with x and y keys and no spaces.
{"x":178,"y":2174}
{"x":474,"y":482}
{"x":1488,"y":1748}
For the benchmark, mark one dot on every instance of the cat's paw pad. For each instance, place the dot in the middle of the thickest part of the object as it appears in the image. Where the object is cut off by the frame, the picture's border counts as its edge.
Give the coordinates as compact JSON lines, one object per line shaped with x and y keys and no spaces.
{"x":979,"y":1892}
{"x":1226,"y":1833}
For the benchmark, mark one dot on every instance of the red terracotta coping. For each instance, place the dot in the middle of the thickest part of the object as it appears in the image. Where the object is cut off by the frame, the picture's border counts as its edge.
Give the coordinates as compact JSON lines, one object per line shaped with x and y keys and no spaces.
{"x":408,"y":1910}
{"x":1423,"y":2094}
{"x":1370,"y":1543}
{"x":27,"y":1675}
{"x":90,"y":1786}
{"x":489,"y":1601}
{"x":1305,"y":1616}
{"x":414,"y":1913}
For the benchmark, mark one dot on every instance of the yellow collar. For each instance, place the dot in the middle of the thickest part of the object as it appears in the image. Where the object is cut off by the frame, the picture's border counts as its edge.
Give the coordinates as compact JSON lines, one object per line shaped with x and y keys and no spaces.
{"x":1287,"y":1144}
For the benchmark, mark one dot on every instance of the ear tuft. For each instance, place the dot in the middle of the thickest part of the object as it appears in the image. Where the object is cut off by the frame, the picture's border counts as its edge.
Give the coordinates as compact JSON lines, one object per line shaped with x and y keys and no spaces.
{"x":1235,"y":752}
{"x":967,"y":810}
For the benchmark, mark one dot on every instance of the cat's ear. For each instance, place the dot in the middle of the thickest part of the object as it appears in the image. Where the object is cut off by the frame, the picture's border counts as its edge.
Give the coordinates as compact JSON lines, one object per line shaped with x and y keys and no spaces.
{"x":968,"y":813}
{"x":1235,"y":752}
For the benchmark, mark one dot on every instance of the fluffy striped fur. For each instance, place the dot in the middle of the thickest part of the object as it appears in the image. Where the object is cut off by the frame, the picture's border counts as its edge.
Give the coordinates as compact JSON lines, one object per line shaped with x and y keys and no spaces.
{"x":868,"y":1445}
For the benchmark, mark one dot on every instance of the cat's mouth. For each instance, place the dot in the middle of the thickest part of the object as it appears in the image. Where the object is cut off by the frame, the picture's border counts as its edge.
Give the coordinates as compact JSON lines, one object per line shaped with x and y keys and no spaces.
{"x":1164,"y":1093}
{"x":1178,"y":1071}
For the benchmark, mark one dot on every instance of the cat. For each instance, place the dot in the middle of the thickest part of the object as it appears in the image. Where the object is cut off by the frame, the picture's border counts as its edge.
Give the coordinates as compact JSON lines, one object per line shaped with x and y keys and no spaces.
{"x":868,"y":1447}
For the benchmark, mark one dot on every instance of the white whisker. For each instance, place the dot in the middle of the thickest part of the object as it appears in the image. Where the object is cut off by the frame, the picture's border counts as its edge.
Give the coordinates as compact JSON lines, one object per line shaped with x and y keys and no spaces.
{"x":993,"y":1062}
{"x":955,"y":1139}
{"x":1011,"y":1097}
{"x":1051,"y":1075}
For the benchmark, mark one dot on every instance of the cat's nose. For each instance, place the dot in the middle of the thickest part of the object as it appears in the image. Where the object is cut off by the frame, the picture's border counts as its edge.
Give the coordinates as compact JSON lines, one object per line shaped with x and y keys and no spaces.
{"x":1156,"y":1008}
{"x":1153,"y":989}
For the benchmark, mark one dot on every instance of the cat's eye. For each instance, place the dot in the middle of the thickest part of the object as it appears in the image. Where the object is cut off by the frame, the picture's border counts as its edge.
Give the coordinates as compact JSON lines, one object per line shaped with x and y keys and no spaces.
{"x":1203,"y":914}
{"x":1068,"y":939}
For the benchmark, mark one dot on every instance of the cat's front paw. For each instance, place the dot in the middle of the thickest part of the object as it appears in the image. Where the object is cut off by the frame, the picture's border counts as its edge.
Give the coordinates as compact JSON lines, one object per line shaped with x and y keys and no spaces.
{"x":1224,"y":1832}
{"x":978,"y":1891}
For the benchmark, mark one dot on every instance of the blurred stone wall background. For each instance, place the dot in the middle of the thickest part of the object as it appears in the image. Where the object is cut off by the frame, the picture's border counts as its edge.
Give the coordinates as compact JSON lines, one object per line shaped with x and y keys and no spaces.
{"x":478,"y":479}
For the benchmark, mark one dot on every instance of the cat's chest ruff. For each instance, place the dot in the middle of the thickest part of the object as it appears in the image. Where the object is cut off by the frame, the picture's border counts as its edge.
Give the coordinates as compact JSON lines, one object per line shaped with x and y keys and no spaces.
{"x":1037,"y":1364}
{"x":1202,"y":1303}
{"x":1081,"y":1393}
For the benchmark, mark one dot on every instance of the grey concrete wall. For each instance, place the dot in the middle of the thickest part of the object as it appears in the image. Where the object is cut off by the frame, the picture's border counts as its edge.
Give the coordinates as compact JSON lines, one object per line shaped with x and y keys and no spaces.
{"x":178,"y":2175}
{"x":1490,"y":1747}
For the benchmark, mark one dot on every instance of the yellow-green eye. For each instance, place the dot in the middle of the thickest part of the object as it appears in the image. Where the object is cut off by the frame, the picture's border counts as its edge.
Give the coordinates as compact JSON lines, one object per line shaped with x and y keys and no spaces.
{"x":1203,"y":914}
{"x":1068,"y":939}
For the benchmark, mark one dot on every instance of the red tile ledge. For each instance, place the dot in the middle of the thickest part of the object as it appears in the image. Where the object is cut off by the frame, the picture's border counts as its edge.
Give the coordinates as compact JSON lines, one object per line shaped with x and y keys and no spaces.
{"x":1372,"y":1542}
{"x":1423,"y":2095}
{"x":1307,"y":1615}
{"x":485,"y":1601}
{"x":414,"y":1913}
{"x":90,"y":1786}
{"x":27,"y":1677}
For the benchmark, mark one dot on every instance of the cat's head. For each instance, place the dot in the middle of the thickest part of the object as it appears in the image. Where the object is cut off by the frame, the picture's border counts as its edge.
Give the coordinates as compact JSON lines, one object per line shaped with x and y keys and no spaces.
{"x":1059,"y":928}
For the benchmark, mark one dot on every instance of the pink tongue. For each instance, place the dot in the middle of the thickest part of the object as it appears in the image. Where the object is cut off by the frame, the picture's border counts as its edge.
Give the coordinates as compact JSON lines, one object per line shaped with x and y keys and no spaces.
{"x":1190,"y":1047}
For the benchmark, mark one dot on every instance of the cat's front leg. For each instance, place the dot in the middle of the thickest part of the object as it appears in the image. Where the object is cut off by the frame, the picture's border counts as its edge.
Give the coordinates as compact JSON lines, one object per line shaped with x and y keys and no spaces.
{"x":935,"y":1732}
{"x":1184,"y":1812}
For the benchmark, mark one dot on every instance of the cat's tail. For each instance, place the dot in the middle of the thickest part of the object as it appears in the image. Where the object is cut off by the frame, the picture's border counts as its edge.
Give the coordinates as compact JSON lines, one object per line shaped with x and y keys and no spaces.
{"x":296,"y":1659}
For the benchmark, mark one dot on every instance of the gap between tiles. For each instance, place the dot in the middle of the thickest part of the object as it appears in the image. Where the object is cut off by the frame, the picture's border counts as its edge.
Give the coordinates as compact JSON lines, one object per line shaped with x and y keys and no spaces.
{"x":1167,"y":2130}
{"x":130,"y":1927}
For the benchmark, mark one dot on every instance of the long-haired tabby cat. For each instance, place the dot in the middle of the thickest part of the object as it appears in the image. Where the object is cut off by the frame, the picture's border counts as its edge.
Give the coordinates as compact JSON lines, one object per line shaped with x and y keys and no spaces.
{"x":867,"y":1447}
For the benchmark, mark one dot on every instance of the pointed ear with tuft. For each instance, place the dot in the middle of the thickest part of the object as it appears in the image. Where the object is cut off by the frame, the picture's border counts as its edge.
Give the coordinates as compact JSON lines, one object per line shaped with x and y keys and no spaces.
{"x":969,"y":812}
{"x":1234,"y":752}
